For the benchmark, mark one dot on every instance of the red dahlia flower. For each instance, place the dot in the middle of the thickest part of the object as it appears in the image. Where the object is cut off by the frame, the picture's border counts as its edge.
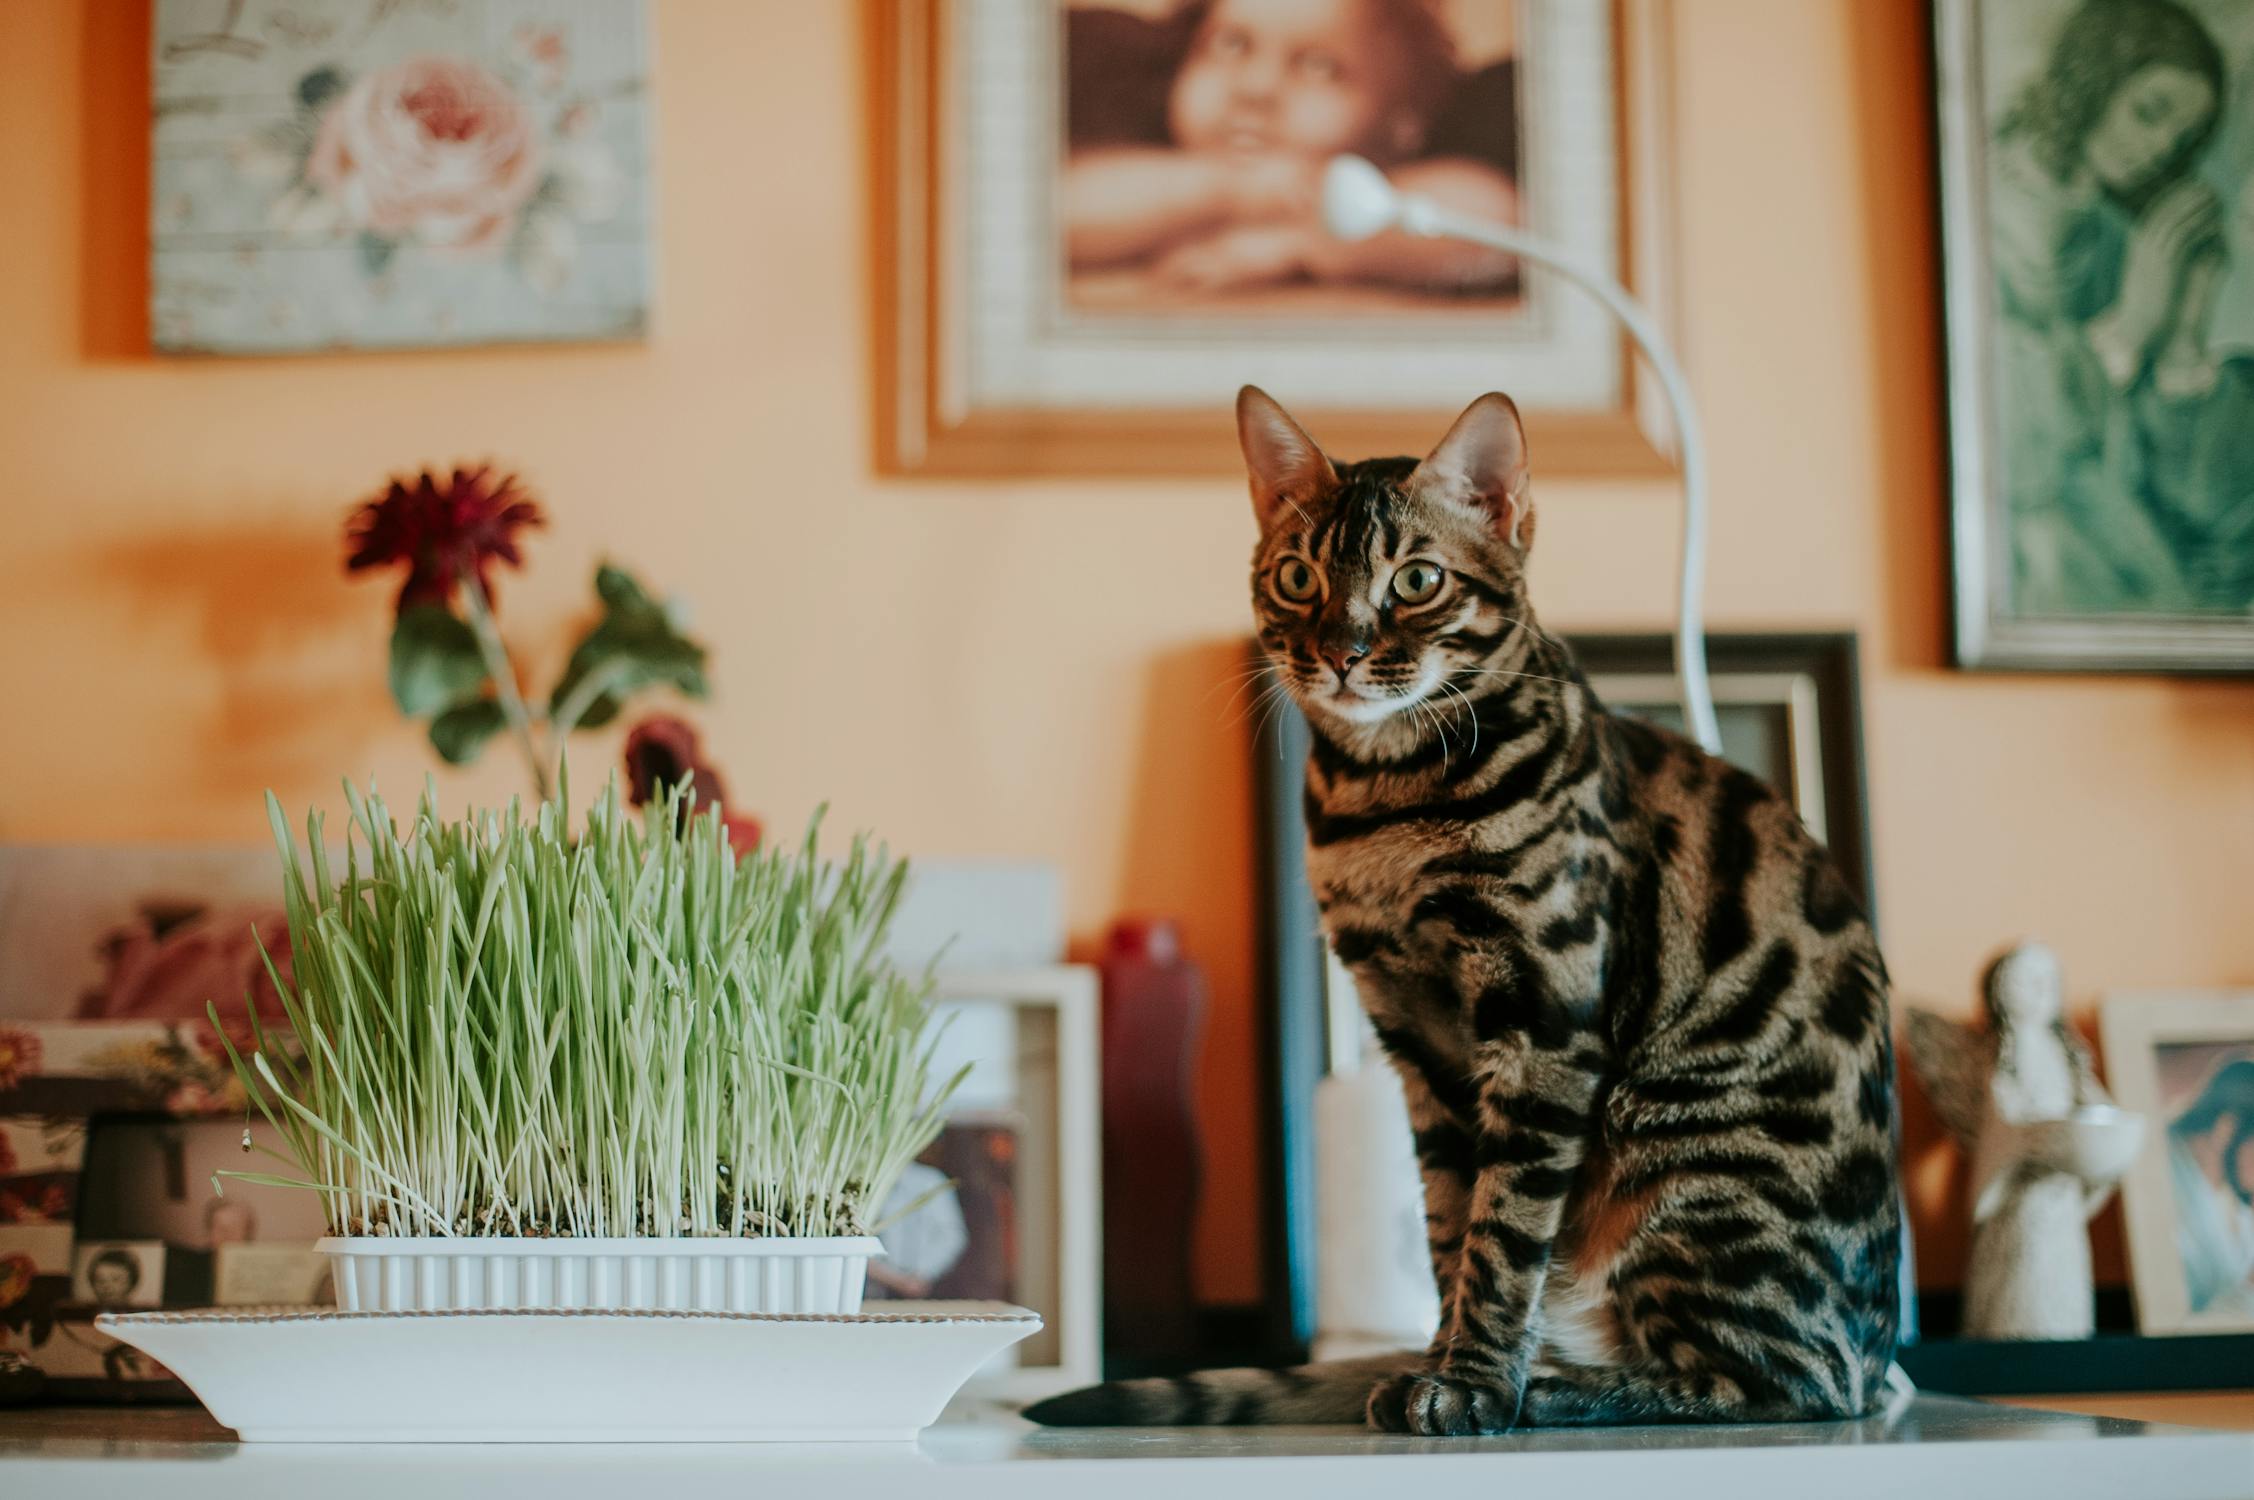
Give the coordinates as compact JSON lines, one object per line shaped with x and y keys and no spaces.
{"x":444,"y":530}
{"x":662,"y":752}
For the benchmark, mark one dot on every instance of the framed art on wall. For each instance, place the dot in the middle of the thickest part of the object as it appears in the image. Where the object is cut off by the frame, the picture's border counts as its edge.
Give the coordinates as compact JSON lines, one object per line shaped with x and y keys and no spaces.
{"x":361,"y":174}
{"x":2099,"y":286}
{"x":1098,"y":218}
{"x":2186,"y":1062}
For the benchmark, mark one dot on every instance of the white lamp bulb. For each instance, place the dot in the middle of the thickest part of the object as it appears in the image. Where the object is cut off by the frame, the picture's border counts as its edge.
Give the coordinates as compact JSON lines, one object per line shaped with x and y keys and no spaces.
{"x":1357,"y":200}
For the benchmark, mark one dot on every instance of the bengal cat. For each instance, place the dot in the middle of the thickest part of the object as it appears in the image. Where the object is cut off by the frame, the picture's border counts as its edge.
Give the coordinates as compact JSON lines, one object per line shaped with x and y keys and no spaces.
{"x":1640,"y":1019}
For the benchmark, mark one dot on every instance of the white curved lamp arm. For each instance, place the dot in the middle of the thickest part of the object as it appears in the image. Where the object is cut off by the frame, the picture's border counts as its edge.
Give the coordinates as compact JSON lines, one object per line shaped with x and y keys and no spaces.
{"x":1358,"y":202}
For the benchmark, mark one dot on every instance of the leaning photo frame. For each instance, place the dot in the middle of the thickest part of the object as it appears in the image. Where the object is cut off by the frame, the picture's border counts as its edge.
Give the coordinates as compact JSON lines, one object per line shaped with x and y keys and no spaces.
{"x":2172,"y":1057}
{"x":1030,"y":1039}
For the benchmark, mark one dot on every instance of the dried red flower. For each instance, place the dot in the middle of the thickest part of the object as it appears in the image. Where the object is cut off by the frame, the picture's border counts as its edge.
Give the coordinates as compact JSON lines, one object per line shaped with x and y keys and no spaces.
{"x":444,"y":530}
{"x":661,"y":752}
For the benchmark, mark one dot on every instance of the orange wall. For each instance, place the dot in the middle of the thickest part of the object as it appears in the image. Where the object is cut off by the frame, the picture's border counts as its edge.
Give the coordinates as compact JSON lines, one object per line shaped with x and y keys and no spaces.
{"x":1034,"y":668}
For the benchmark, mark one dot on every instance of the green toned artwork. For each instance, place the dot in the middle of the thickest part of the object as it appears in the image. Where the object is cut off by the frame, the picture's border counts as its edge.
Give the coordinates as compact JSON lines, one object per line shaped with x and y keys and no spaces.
{"x":2099,"y":224}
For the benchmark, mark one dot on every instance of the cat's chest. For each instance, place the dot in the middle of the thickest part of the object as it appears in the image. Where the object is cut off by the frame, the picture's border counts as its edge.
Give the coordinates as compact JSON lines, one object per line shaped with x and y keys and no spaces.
{"x":1413,"y":912}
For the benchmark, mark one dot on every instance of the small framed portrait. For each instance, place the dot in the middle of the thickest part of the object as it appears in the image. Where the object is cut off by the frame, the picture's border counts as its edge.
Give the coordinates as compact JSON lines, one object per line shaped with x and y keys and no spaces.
{"x":1098,"y":218}
{"x":2098,"y":270}
{"x":117,"y":1274}
{"x":2186,"y":1061}
{"x":1006,"y":1205}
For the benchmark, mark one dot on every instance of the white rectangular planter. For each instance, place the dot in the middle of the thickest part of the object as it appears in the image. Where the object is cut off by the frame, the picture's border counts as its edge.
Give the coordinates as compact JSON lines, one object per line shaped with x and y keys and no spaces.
{"x":702,"y":1274}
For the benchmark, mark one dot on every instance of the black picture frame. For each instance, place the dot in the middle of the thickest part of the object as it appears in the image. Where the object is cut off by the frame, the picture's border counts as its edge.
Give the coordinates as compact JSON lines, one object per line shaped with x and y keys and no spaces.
{"x":1814,"y":683}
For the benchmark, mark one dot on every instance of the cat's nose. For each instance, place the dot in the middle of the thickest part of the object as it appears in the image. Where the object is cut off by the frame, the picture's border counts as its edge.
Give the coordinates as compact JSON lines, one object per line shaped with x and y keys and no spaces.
{"x":1342,"y":658}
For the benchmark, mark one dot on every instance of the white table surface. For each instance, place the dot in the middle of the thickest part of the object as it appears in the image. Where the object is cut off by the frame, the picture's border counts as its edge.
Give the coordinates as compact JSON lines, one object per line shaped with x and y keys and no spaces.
{"x":1938,"y":1447}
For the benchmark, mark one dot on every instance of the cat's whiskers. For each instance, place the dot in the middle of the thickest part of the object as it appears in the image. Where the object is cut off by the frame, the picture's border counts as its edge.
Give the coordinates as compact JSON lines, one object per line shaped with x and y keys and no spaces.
{"x":1426,"y":714}
{"x":1470,"y":709}
{"x":1262,"y":700}
{"x":1271,"y":703}
{"x":1243,"y":681}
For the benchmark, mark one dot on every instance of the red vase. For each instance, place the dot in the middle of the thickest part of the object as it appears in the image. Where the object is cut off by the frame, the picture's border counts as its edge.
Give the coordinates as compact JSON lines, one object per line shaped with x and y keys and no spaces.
{"x":1153,"y":1012}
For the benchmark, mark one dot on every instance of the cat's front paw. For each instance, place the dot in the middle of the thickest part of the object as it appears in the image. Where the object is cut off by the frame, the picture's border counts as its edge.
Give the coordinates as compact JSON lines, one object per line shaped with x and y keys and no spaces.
{"x":1454,"y":1405}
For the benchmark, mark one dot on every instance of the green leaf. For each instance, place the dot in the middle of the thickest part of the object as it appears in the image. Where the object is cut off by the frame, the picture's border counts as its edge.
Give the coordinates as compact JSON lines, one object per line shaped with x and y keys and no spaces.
{"x":618,"y":589}
{"x":636,"y":644}
{"x":460,"y":732}
{"x":434,"y":660}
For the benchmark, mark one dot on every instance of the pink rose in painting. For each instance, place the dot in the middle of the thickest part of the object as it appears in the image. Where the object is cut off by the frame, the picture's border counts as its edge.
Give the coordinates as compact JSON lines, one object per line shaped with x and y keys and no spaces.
{"x":434,"y":148}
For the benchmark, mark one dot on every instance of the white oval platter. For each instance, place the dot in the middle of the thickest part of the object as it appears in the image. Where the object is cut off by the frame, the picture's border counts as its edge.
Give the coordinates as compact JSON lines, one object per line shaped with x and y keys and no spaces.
{"x":493,"y":1376}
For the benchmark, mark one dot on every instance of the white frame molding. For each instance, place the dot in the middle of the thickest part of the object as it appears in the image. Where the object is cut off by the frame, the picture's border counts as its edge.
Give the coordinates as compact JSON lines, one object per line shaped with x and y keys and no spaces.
{"x":1069,"y":993}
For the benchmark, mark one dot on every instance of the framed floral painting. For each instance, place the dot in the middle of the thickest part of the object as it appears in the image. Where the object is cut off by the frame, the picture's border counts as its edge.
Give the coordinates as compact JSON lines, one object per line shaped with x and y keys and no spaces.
{"x":373,"y":174}
{"x":2097,"y":208}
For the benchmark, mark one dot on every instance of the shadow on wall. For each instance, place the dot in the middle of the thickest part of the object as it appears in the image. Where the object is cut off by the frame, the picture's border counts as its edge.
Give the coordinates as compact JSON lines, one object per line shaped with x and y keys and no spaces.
{"x":295,"y":650}
{"x":1188,"y":853}
{"x":113,"y":169}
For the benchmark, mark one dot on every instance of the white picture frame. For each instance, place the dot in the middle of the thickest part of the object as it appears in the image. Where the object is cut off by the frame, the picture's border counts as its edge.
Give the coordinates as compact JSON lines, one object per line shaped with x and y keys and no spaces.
{"x":2161,"y":1052}
{"x":1032,"y":1038}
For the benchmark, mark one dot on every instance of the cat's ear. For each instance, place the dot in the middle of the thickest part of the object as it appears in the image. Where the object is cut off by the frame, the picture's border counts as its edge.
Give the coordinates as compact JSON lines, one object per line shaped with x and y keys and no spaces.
{"x":1285,"y":464}
{"x":1482,"y":463}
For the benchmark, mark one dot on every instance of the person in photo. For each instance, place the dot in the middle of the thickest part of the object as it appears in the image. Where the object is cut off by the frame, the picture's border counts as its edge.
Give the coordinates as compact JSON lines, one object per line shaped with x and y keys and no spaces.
{"x":1218,"y":189}
{"x":113,"y":1276}
{"x":2128,"y":461}
{"x":2211,"y":1169}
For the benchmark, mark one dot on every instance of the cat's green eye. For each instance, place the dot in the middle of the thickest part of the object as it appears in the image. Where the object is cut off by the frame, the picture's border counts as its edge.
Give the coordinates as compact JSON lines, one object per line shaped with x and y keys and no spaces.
{"x":1296,"y":581}
{"x":1418,"y":582}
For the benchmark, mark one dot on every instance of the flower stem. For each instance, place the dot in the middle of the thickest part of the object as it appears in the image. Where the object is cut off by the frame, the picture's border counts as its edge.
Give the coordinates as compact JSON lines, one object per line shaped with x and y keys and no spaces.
{"x":504,"y":675}
{"x":564,"y":717}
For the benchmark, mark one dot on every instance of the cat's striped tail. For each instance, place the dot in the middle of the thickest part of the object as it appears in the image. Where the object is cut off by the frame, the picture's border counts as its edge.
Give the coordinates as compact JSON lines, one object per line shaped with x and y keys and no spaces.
{"x":1333,"y":1392}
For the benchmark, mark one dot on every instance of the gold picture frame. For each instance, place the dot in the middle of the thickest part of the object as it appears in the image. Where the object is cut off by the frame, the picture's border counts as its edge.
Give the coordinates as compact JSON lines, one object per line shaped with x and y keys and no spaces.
{"x":928,"y":423}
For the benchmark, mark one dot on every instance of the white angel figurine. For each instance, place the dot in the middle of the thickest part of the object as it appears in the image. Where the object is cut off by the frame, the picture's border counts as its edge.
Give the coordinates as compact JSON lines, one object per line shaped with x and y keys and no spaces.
{"x":2047,"y":1148}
